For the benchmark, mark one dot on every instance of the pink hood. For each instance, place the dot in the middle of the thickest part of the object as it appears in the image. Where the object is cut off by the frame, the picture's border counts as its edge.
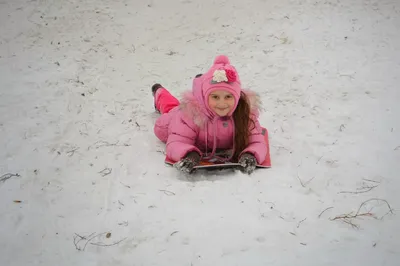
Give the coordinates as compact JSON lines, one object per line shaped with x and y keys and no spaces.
{"x":227,"y":79}
{"x":194,"y":108}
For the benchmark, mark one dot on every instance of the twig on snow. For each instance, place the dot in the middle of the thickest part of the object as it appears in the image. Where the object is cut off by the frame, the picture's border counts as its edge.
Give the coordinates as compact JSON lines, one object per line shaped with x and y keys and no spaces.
{"x":160,"y":151}
{"x":298,"y":225}
{"x":319,"y":216}
{"x":350,"y":216}
{"x":347,"y":218}
{"x":306,"y":183}
{"x":76,"y":242}
{"x":301,"y":183}
{"x":173,"y":233}
{"x":79,"y":238}
{"x":7,"y":176}
{"x":366,"y":189}
{"x":90,"y":239}
{"x":102,"y":143}
{"x":280,"y":147}
{"x":171,"y":53}
{"x":351,"y":76}
{"x":167,"y":192}
{"x":72,"y":152}
{"x":100,"y":244}
{"x":377,"y":199}
{"x":370,"y":180}
{"x":105,"y":171}
{"x":125,"y":185}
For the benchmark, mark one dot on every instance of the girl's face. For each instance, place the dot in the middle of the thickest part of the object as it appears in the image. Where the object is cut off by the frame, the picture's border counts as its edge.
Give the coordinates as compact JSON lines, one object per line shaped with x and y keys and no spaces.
{"x":221,"y":102}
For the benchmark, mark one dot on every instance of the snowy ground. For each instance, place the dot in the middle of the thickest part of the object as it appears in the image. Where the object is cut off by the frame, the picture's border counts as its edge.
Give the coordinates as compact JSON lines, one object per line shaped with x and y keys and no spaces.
{"x":76,"y":125}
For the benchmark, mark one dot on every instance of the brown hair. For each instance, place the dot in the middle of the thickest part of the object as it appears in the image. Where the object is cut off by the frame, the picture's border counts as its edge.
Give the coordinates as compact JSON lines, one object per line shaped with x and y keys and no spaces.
{"x":242,"y":119}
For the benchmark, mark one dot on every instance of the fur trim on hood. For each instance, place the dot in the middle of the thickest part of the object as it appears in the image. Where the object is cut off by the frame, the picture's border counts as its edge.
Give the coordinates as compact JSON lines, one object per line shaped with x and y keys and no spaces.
{"x":193,"y":110}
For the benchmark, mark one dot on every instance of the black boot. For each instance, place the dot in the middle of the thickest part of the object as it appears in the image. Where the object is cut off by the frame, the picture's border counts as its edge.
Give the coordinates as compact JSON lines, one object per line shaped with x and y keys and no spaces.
{"x":155,"y":87}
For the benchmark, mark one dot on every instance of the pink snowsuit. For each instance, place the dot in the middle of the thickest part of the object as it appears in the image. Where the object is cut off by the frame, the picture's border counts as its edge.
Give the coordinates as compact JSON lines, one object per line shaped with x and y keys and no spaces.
{"x":188,"y":126}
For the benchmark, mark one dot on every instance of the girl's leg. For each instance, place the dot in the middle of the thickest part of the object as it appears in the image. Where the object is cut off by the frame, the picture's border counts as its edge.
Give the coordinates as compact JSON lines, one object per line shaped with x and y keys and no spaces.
{"x":164,"y":101}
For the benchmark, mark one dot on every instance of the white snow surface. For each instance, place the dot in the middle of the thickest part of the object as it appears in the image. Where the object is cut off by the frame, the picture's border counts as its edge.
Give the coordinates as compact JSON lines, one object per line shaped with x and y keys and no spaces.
{"x":76,"y":125}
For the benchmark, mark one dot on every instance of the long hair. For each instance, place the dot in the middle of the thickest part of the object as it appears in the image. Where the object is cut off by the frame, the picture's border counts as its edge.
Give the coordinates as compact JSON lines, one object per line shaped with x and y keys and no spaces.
{"x":243,"y":122}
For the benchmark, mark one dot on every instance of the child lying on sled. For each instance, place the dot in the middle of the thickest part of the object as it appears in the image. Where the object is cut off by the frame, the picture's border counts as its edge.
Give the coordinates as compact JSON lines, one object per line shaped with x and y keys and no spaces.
{"x":216,"y":115}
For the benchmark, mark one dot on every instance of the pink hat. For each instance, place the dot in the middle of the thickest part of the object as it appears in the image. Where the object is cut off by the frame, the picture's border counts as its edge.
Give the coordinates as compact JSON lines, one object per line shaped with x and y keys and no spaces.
{"x":221,"y":76}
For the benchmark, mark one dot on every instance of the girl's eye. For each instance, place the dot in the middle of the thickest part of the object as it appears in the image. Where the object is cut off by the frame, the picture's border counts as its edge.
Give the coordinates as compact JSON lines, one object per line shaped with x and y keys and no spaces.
{"x":228,"y":97}
{"x":215,"y":97}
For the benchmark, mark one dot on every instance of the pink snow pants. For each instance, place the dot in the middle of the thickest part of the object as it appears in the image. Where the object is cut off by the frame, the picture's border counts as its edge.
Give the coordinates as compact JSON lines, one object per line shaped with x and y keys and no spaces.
{"x":164,"y":101}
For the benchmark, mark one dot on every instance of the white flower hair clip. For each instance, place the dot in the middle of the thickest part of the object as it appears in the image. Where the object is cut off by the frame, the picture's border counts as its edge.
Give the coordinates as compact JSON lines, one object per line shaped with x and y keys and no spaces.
{"x":219,"y":76}
{"x":224,"y":75}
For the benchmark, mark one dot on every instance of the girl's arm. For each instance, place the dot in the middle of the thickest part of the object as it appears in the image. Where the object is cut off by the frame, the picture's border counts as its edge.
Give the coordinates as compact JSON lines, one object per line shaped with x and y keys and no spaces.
{"x":181,"y":139}
{"x":257,"y":145}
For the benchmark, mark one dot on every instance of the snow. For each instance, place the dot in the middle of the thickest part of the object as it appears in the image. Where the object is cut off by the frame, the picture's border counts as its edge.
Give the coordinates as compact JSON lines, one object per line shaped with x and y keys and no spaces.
{"x":76,"y":125}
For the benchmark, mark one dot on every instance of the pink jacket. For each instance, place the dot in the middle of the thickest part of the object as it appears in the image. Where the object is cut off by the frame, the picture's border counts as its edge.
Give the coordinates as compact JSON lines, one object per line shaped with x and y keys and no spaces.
{"x":188,"y":127}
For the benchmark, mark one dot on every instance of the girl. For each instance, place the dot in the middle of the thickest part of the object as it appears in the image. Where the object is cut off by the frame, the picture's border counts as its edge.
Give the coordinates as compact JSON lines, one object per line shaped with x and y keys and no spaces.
{"x":216,"y":114}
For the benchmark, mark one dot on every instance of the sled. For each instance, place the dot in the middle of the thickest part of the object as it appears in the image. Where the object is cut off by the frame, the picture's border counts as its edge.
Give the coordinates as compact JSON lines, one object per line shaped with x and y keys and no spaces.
{"x":214,"y":163}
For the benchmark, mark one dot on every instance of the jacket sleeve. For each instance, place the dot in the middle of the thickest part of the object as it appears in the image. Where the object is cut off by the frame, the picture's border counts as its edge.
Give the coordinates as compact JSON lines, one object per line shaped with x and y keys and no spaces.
{"x":257,"y":145}
{"x":181,"y":138}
